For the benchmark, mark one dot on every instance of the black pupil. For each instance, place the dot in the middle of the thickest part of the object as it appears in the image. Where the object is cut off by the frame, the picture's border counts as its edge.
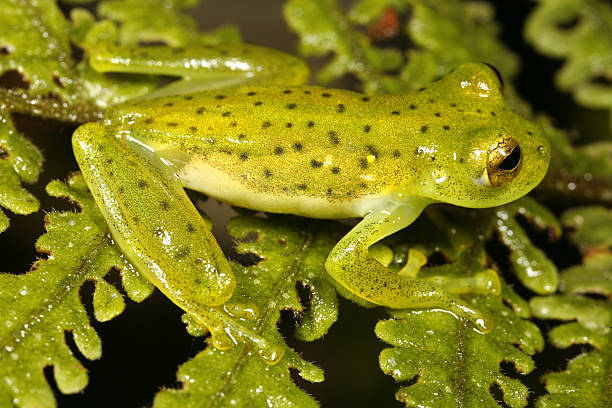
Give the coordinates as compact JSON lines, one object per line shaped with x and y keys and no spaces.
{"x":512,"y":160}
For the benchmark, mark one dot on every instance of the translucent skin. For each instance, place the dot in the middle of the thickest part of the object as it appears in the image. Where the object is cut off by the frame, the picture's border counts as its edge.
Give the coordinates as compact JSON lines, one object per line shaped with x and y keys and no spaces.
{"x":310,"y":151}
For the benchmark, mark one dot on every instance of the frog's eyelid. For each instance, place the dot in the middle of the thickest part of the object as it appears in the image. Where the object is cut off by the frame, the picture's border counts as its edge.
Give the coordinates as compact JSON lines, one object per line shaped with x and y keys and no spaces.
{"x":498,"y":74}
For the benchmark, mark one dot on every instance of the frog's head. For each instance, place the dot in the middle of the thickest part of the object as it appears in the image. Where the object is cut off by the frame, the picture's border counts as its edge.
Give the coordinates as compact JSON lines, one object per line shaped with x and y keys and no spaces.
{"x":493,"y":155}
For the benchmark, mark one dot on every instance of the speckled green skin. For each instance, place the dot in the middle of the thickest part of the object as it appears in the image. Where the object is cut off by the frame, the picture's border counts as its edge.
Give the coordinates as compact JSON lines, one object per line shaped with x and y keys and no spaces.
{"x":305,"y":150}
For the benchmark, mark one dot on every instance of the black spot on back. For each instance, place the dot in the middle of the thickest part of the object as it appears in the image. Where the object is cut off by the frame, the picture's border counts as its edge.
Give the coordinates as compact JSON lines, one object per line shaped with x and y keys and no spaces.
{"x":165,"y":205}
{"x":446,"y":127}
{"x":190,"y":228}
{"x":291,"y":106}
{"x":315,"y":163}
{"x":395,"y":113}
{"x":220,"y":96}
{"x":226,"y":114}
{"x":396,"y":153}
{"x":363,"y":163}
{"x":412,"y":106}
{"x":325,"y":95}
{"x":172,"y":124}
{"x":193,"y":129}
{"x":279,"y":150}
{"x":333,"y":137}
{"x":341,"y":108}
{"x":267,"y":173}
{"x":372,"y":150}
{"x":251,"y":93}
{"x":367,"y":128}
{"x":244,"y":156}
{"x":200,"y":110}
{"x":335,"y":170}
{"x":424,"y":129}
{"x":258,"y":103}
{"x":310,"y":124}
{"x":142,"y":184}
{"x":169,"y":104}
{"x":365,"y":99}
{"x":287,"y":91}
{"x":298,"y":146}
{"x":266,"y":124}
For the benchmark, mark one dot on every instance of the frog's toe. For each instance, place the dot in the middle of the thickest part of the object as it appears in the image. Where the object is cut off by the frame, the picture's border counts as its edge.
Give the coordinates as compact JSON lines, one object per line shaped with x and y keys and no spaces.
{"x":416,"y":259}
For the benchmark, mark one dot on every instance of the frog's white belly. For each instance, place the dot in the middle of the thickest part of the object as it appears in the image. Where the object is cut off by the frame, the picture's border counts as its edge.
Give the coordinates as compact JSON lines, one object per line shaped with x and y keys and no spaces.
{"x":201,"y":176}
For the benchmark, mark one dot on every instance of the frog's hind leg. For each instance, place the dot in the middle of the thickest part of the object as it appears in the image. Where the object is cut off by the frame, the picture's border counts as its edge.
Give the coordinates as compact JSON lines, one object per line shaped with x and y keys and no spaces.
{"x":351,"y":264}
{"x":153,"y":221}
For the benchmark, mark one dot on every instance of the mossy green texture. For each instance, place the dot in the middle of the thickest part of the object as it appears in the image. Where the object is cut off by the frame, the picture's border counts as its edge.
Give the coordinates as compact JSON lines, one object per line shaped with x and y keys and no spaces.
{"x":290,"y":252}
{"x":587,"y":381}
{"x":448,"y":363}
{"x":579,"y":31}
{"x":42,"y":306}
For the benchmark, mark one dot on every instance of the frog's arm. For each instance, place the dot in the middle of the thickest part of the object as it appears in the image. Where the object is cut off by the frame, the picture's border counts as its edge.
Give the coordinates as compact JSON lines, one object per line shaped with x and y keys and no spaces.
{"x":351,"y":264}
{"x":202,"y":67}
{"x":152,"y":219}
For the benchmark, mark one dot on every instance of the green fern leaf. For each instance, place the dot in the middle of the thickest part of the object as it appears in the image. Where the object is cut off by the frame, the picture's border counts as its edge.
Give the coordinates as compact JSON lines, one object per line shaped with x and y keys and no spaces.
{"x":40,"y":307}
{"x":445,"y":32}
{"x":446,"y":362}
{"x":20,"y":161}
{"x":588,"y":378}
{"x":323,"y":28}
{"x":290,"y":253}
{"x":585,"y":45}
{"x":577,"y":174}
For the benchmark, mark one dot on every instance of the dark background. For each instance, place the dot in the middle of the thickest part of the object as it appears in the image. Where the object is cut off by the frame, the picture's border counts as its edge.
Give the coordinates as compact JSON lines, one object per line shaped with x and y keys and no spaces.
{"x":143,"y":347}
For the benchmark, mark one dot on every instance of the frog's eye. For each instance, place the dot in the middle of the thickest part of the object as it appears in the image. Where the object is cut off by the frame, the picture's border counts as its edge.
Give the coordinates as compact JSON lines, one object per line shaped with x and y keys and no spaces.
{"x":499,"y":76}
{"x":504,"y":161}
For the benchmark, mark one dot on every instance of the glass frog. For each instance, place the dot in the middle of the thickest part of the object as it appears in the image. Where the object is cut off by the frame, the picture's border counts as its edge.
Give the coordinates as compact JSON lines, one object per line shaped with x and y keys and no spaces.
{"x":284,"y":147}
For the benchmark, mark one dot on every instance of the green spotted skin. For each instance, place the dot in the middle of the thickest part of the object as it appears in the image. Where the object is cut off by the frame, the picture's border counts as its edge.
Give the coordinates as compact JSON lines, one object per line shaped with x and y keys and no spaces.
{"x":334,"y":153}
{"x":315,"y":152}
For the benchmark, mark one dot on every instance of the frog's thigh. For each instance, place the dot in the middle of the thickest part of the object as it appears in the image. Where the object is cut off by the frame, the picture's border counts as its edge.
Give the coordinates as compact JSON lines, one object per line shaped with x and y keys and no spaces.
{"x":152,"y":220}
{"x":351,"y":264}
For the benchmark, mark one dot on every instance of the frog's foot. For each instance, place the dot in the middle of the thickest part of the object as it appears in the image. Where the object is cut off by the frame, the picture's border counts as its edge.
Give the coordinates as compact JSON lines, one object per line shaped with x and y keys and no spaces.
{"x":443,"y":291}
{"x":231,"y":324}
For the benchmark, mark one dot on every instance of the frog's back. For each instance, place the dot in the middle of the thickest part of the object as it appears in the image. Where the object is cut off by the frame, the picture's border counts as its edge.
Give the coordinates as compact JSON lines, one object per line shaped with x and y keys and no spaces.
{"x":302,"y":150}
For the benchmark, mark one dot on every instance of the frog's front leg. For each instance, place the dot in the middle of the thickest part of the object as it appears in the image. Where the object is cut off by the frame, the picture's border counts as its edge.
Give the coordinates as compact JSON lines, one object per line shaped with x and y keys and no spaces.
{"x":351,"y":264}
{"x":152,"y":219}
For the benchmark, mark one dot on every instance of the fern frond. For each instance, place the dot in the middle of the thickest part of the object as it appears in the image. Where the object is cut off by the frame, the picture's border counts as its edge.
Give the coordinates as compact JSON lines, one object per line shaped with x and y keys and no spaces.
{"x":20,"y":161}
{"x":579,"y":31}
{"x":290,"y":253}
{"x":42,"y":307}
{"x":587,"y":381}
{"x":446,"y":362}
{"x":445,"y":34}
{"x":577,"y":174}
